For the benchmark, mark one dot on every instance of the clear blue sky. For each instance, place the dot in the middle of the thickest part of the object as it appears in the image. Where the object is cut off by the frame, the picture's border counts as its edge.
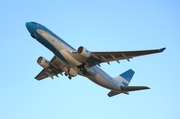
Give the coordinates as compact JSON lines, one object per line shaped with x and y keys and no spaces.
{"x":98,"y":25}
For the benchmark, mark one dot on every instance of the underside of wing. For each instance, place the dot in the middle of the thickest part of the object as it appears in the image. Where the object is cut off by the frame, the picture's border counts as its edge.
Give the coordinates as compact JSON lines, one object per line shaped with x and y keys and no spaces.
{"x":53,"y":70}
{"x":100,"y":57}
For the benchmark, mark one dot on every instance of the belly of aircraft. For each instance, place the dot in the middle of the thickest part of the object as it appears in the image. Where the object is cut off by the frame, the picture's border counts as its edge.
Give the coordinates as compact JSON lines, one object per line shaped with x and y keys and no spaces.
{"x":102,"y":79}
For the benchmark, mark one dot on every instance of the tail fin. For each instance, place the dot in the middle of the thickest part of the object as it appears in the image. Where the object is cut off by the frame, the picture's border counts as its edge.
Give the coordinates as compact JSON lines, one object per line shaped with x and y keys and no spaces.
{"x":125,"y":77}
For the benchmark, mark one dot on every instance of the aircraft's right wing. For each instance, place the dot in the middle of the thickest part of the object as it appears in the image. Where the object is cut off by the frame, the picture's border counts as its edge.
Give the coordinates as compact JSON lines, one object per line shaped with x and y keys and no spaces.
{"x":54,"y":69}
{"x":42,"y":75}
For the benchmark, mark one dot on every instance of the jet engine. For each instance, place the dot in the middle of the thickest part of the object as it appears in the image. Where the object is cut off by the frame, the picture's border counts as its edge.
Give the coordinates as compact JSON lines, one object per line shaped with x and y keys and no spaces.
{"x":84,"y":52}
{"x":43,"y":62}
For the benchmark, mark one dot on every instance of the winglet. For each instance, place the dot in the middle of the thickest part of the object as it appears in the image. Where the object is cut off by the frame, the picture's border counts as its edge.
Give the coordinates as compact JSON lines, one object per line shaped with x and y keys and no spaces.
{"x":162,"y":49}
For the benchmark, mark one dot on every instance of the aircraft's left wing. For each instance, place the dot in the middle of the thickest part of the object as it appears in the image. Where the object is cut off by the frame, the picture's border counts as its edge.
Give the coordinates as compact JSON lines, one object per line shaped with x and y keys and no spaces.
{"x":54,"y":69}
{"x":100,"y":57}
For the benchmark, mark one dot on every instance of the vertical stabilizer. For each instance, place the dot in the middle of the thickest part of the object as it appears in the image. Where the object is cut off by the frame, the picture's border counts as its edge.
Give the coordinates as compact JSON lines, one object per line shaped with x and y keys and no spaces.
{"x":125,"y":77}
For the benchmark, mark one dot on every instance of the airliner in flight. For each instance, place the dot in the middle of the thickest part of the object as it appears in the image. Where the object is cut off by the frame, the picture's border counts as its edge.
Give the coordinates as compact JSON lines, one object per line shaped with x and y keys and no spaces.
{"x":72,"y":62}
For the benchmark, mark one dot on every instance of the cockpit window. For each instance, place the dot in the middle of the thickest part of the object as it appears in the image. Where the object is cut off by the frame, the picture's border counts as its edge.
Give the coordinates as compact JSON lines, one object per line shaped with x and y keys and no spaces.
{"x":34,"y":22}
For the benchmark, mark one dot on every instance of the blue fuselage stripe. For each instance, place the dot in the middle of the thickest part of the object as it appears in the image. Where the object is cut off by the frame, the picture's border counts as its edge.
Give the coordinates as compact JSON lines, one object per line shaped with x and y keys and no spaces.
{"x":50,"y":47}
{"x":34,"y":27}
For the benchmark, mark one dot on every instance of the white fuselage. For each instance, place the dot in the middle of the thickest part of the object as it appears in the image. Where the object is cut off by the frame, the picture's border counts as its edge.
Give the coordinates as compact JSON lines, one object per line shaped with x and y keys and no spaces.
{"x":62,"y":50}
{"x":99,"y":76}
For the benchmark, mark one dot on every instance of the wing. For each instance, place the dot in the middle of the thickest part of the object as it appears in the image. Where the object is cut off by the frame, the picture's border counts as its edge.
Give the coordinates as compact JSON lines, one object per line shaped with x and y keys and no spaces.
{"x":53,"y":70}
{"x":100,"y":57}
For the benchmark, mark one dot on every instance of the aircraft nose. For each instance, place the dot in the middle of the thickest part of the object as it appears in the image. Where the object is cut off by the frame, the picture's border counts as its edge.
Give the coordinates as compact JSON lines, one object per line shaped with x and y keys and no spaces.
{"x":28,"y":26}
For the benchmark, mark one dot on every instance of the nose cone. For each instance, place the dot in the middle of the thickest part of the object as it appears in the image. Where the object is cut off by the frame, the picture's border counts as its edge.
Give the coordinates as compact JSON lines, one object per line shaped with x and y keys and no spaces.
{"x":28,"y":26}
{"x":31,"y":26}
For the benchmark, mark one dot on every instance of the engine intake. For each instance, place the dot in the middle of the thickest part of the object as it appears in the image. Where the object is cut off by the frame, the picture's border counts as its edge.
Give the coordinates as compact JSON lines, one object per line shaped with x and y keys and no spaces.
{"x":43,"y":62}
{"x":84,"y":52}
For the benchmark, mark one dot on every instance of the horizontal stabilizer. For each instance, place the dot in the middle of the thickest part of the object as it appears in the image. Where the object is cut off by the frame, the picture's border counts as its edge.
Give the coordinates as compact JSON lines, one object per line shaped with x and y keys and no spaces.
{"x":126,"y":89}
{"x":113,"y":93}
{"x":133,"y":88}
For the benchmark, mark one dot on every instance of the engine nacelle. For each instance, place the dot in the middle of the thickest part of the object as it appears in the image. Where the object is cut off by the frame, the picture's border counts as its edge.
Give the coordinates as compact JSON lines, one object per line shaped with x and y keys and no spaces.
{"x":43,"y":62}
{"x":84,"y":52}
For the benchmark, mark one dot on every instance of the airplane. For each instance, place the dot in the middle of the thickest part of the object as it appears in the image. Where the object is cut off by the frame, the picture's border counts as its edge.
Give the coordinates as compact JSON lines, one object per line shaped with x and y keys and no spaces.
{"x":72,"y":62}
